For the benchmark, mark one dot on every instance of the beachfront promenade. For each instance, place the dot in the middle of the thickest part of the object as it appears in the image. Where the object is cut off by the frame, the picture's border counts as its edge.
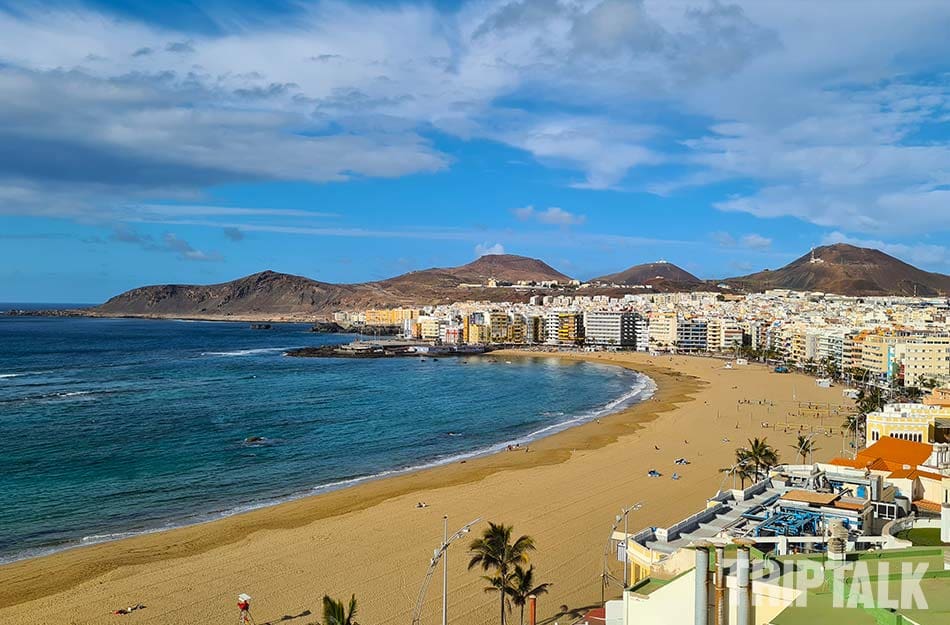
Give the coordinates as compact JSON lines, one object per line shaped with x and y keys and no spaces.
{"x":373,"y":541}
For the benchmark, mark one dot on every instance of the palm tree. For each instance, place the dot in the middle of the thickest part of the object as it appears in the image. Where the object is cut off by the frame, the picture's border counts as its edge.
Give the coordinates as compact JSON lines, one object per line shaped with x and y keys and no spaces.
{"x":759,"y":454}
{"x":870,"y":400}
{"x":522,"y":586}
{"x":855,"y":423}
{"x":805,"y":446}
{"x":334,"y":612}
{"x":494,"y":551}
{"x":742,"y":470}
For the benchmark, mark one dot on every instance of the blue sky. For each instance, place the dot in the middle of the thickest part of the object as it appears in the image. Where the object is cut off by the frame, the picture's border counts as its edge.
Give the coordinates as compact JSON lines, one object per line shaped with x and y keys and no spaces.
{"x":145,"y":142}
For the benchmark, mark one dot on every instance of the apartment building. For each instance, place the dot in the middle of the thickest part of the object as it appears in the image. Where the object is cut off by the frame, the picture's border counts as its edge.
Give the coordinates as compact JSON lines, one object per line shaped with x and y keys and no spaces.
{"x":430,"y":328}
{"x":611,"y":328}
{"x":498,"y":322}
{"x":691,"y":335}
{"x":923,"y":358}
{"x":570,"y":328}
{"x":662,"y":330}
{"x":534,"y":329}
{"x":516,"y":329}
{"x":389,"y":316}
{"x":722,"y":334}
{"x":478,"y":333}
{"x":642,"y":333}
{"x":830,"y":347}
{"x":451,"y":334}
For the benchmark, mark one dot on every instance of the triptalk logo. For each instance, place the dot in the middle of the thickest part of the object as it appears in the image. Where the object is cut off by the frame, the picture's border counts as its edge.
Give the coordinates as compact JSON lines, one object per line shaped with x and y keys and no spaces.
{"x":891,"y":585}
{"x":854,"y":586}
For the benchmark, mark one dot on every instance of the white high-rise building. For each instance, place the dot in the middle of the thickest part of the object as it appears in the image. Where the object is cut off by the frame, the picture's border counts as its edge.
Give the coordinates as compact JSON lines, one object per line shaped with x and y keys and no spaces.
{"x":610,"y":328}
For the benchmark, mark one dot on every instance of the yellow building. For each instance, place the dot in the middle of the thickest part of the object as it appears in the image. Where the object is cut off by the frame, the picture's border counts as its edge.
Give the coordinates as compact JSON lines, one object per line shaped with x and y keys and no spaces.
{"x":570,"y":328}
{"x":662,"y":330}
{"x":874,"y":354}
{"x":928,"y":422}
{"x":797,"y":347}
{"x":429,"y":328}
{"x":478,"y":333}
{"x":389,"y":316}
{"x":516,"y":330}
{"x":922,"y":358}
{"x":498,"y":326}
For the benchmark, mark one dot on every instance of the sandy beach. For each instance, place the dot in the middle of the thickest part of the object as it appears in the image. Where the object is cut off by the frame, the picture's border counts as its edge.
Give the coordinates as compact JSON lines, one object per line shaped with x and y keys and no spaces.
{"x":373,"y":541}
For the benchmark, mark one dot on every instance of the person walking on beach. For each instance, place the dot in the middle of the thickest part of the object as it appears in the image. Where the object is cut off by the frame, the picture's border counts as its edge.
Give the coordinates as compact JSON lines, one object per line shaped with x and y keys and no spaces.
{"x":244,"y":605}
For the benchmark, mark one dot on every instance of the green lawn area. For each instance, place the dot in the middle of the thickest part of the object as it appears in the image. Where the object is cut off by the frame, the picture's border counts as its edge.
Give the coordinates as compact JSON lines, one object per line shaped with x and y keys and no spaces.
{"x":922,"y":537}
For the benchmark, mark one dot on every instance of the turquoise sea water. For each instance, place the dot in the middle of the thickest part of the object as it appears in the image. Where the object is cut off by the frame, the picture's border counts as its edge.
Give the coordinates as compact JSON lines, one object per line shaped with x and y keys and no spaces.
{"x":113,"y":427}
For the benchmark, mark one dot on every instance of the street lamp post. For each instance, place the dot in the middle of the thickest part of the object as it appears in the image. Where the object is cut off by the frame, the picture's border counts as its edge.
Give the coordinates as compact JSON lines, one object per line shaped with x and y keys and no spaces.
{"x":440,"y":554}
{"x":445,"y":570}
{"x":620,"y":517}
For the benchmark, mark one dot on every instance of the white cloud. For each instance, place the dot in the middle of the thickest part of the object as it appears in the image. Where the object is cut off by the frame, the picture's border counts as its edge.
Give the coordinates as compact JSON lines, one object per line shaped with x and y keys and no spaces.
{"x":755,"y":241}
{"x":99,"y":112}
{"x":157,"y":211}
{"x":723,"y":239}
{"x":488,"y":249}
{"x":606,"y":150}
{"x":749,"y":241}
{"x":185,"y":249}
{"x":169,"y":242}
{"x":551,"y":215}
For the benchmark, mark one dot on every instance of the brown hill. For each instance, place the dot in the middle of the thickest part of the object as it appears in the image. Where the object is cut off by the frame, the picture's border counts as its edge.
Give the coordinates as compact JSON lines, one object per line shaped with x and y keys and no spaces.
{"x":266,"y":292}
{"x":501,"y":267}
{"x":509,"y":268}
{"x":650,"y":273}
{"x":277,"y":295}
{"x":848,"y":270}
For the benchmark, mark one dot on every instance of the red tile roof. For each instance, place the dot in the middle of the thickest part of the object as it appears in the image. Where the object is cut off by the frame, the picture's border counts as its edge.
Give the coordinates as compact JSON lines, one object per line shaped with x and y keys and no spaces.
{"x":848,"y":462}
{"x":897,"y":451}
{"x":929,"y":506}
{"x":904,"y":474}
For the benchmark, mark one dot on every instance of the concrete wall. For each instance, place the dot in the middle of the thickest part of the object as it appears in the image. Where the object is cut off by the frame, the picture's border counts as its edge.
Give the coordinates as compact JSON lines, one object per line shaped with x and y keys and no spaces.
{"x":672,"y":603}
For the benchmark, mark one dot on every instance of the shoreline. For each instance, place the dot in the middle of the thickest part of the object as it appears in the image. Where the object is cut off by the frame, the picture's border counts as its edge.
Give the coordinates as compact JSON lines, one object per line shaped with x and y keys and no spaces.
{"x":642,"y":390}
{"x":79,"y":563}
{"x":564,"y":493}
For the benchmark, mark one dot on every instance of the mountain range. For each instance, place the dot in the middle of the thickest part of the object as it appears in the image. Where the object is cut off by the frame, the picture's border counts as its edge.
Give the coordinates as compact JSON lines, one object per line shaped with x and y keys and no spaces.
{"x":840,"y":268}
{"x":847,"y":270}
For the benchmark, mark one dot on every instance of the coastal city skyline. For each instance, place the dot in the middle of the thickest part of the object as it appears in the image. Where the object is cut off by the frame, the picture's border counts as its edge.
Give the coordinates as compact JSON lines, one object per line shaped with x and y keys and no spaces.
{"x":198,"y":142}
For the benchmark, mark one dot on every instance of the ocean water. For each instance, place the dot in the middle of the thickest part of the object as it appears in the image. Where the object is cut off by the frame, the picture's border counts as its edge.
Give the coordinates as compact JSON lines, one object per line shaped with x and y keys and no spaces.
{"x":113,"y":427}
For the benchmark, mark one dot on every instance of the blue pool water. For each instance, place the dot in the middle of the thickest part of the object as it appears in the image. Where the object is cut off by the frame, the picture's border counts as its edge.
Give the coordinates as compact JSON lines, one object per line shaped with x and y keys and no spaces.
{"x":113,"y":427}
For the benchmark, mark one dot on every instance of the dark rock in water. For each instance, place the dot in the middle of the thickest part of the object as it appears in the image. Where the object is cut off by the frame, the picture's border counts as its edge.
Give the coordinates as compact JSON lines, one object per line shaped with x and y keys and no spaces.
{"x":330,"y":327}
{"x":334,"y":351}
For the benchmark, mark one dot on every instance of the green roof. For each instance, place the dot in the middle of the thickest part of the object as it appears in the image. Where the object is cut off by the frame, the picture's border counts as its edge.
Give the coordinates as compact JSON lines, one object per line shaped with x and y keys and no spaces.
{"x":935,"y":586}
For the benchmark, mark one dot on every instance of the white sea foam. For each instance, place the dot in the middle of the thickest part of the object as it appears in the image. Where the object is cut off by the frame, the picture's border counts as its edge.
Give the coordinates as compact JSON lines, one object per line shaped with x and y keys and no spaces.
{"x":21,"y":374}
{"x":247,"y":352}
